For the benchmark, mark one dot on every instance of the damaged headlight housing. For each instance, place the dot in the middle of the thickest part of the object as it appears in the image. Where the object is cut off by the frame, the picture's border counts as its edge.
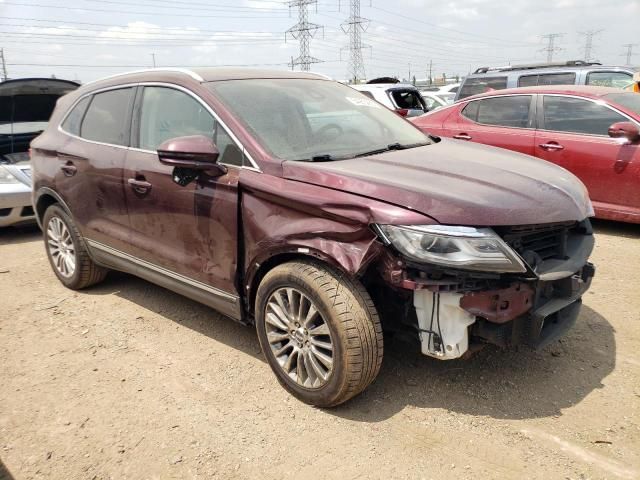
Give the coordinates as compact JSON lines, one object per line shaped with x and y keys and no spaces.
{"x":6,"y":176}
{"x":466,"y":248}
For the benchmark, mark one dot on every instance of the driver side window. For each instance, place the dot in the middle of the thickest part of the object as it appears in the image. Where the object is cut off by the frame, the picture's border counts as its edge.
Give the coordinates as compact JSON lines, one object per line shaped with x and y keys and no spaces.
{"x":169,"y":113}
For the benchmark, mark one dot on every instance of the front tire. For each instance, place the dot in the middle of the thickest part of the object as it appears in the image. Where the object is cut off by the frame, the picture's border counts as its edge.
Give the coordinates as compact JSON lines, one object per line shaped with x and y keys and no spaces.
{"x":67,"y":252}
{"x":320,"y":332}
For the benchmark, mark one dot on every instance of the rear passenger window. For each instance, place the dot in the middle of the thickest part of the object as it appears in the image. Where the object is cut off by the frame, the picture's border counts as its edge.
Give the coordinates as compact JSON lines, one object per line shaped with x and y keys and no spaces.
{"x":106,"y":117}
{"x":474,"y":86}
{"x":72,"y":123}
{"x":547,"y":79}
{"x":504,"y":111}
{"x":565,"y":114}
{"x":170,"y":113}
{"x":610,"y":79}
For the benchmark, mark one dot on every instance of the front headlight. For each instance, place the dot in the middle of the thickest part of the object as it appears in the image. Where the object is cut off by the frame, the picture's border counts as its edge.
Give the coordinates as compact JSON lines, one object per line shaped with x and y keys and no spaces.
{"x":466,"y":248}
{"x":6,"y":177}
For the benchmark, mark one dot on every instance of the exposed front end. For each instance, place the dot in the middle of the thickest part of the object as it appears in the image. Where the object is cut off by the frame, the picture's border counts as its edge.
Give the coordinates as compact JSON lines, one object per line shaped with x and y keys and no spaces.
{"x":460,"y":288}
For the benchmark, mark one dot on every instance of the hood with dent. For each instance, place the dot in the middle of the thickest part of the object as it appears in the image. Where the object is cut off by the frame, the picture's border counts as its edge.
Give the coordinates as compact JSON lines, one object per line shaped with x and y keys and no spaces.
{"x":457,"y":183}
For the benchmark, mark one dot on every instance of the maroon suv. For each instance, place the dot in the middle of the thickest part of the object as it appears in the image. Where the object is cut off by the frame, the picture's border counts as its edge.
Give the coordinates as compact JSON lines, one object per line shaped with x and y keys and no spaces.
{"x":298,"y":204}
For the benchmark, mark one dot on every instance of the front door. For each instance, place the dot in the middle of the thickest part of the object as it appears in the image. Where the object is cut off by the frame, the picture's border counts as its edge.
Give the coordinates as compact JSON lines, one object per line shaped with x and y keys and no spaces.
{"x":573,"y":133}
{"x":502,"y":121}
{"x":187,"y":232}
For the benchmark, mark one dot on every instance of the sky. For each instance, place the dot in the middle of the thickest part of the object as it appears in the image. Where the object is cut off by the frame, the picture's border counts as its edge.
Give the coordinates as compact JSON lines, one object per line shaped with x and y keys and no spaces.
{"x":89,"y":39}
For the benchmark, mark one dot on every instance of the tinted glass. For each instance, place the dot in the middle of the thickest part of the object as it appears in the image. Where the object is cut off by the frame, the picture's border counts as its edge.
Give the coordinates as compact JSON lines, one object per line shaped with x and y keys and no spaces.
{"x":547,"y":79}
{"x":72,"y":122}
{"x":471,"y":111}
{"x":169,"y":113}
{"x":610,"y":79}
{"x":505,"y":111}
{"x":474,"y":86}
{"x":630,"y":101}
{"x":407,"y":99}
{"x":297,"y":119}
{"x":566,"y":114}
{"x":106,"y":117}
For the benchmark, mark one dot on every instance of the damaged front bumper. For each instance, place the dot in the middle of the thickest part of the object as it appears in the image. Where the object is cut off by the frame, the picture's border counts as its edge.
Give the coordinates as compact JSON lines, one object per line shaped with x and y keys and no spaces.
{"x":455,"y":311}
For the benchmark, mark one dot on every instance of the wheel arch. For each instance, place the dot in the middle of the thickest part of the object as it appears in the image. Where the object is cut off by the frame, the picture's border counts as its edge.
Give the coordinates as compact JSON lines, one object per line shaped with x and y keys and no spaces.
{"x":45,"y":197}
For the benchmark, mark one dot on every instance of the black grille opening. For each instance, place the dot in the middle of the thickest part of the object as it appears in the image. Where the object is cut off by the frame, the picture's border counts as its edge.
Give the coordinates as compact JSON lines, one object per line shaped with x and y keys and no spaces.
{"x":4,"y":212}
{"x":27,"y":211}
{"x":542,"y":242}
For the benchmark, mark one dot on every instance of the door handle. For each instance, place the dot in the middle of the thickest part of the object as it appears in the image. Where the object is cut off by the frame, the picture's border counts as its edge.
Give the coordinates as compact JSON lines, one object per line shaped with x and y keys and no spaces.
{"x":139,"y":186}
{"x":551,"y":146}
{"x":69,"y":169}
{"x":462,"y":136}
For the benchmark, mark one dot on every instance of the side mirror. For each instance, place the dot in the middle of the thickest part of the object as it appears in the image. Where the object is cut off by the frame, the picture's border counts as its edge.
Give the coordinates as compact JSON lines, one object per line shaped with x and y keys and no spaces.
{"x":195,"y":152}
{"x":627,"y":130}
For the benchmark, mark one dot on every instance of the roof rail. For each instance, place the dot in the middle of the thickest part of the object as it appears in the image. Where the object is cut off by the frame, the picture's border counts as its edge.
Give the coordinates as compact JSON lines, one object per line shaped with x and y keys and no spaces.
{"x":191,"y":73}
{"x":531,"y":66}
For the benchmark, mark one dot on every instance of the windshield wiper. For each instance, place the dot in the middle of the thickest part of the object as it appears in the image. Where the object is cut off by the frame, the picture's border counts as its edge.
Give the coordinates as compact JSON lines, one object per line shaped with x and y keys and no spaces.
{"x":391,"y":146}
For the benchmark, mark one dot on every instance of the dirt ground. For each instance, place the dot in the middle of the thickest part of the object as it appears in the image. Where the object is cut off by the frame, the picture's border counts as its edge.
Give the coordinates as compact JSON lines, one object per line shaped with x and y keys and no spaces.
{"x":128,"y":380}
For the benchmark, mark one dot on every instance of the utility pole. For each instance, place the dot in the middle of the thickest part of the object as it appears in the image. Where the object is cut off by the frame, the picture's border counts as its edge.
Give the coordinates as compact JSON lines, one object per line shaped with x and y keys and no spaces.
{"x":551,"y":45}
{"x":3,"y":65}
{"x":354,"y":26}
{"x":303,"y":31}
{"x":153,"y":58}
{"x":588,"y":46}
{"x":430,"y":72}
{"x":629,"y":47}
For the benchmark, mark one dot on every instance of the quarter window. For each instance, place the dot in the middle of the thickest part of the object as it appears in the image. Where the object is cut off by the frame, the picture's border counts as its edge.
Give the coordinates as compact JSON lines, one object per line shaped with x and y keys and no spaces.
{"x":74,"y":118}
{"x":512,"y":111}
{"x":169,"y":113}
{"x":565,"y":114}
{"x":106,"y":117}
{"x":610,"y":79}
{"x":475,"y":86}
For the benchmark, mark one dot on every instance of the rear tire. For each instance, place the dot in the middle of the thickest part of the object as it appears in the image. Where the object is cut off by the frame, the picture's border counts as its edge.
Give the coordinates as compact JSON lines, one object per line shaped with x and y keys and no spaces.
{"x":67,"y":251}
{"x":348,"y":333}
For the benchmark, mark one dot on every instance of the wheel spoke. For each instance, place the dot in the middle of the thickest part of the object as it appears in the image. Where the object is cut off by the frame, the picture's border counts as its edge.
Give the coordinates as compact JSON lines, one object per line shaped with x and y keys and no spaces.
{"x":284,"y":348}
{"x":60,"y":245}
{"x":326,"y":360}
{"x":288,"y":364}
{"x":321,"y":344}
{"x":317,"y":369}
{"x":276,"y":319}
{"x":275,"y":337}
{"x":319,"y":330}
{"x":301,"y":370}
{"x":311,"y":314}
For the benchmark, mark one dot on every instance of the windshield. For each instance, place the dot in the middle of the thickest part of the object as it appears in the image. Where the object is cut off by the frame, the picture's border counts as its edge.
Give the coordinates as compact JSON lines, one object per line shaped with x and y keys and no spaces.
{"x":304,"y":119}
{"x":630,"y":101}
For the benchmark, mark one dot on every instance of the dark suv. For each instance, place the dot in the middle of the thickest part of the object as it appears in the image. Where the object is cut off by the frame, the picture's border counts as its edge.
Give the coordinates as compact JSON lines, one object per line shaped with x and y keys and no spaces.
{"x":301,"y":206}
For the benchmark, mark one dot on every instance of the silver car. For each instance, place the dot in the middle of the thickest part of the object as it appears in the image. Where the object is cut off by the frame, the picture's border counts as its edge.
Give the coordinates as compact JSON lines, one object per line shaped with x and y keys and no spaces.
{"x":25,"y":108}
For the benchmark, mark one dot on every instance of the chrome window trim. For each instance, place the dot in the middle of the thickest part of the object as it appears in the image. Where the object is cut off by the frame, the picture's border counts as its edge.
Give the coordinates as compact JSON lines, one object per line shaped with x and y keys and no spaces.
{"x":152,"y":266}
{"x":497,"y":96}
{"x":254,"y":166}
{"x":592,"y":100}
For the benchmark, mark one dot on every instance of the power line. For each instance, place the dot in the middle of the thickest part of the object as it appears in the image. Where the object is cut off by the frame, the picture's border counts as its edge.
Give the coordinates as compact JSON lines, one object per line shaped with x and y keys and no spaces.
{"x":354,"y":26}
{"x":551,"y":45}
{"x":629,"y":47}
{"x":303,"y":31}
{"x":588,"y":46}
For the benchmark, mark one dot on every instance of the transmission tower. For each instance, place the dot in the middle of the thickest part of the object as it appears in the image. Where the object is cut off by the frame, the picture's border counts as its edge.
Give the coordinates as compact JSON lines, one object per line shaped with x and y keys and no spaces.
{"x":354,"y":26}
{"x":588,"y":46}
{"x":3,"y":65}
{"x":629,"y":47}
{"x":551,"y":45}
{"x":303,"y":31}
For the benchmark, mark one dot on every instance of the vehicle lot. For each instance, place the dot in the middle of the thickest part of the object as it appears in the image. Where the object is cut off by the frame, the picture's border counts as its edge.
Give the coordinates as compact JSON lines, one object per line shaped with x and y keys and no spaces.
{"x":127,"y":380}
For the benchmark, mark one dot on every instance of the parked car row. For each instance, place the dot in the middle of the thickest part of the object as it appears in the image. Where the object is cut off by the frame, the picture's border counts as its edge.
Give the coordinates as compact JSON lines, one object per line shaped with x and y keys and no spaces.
{"x":301,"y":206}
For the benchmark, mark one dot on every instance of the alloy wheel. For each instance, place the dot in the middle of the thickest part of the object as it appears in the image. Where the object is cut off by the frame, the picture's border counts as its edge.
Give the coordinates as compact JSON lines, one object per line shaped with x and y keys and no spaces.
{"x":61,"y":248}
{"x":299,"y":338}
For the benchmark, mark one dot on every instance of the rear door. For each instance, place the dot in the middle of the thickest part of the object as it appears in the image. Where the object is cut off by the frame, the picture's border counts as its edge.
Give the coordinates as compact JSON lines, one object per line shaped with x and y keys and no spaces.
{"x":501,"y":121}
{"x":90,"y":162}
{"x":185,"y":232}
{"x":573,"y":133}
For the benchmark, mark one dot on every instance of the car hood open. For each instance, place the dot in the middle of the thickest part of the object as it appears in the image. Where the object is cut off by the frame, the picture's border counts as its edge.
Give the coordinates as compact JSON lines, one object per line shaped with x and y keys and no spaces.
{"x":457,"y":183}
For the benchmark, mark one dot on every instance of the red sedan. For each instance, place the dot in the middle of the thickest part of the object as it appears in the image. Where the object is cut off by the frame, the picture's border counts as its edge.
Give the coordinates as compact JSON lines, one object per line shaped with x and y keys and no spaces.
{"x":594,"y":132}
